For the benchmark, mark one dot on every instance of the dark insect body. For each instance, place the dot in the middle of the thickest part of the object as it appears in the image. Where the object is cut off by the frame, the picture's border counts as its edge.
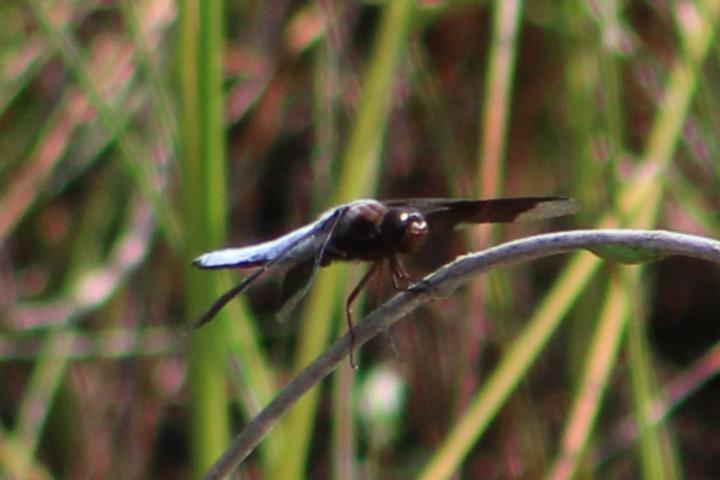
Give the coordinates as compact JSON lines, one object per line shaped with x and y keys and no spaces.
{"x":367,"y":230}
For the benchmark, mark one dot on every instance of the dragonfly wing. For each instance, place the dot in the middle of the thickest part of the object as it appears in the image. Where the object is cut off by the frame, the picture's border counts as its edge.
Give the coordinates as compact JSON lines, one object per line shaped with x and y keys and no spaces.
{"x":295,"y":285}
{"x":298,"y":278}
{"x":450,"y":212}
{"x":303,"y":248}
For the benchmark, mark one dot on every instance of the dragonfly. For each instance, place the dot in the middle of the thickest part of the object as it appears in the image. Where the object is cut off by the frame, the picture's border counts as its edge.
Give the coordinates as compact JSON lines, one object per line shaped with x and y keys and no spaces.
{"x":368,"y":230}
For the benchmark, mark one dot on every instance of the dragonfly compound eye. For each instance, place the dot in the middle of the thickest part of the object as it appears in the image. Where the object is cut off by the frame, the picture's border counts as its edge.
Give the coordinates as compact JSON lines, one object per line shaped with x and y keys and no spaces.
{"x":404,"y":229}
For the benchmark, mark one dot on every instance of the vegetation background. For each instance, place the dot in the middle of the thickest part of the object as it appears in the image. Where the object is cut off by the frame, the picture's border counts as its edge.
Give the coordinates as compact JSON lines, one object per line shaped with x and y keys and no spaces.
{"x":137,"y":134}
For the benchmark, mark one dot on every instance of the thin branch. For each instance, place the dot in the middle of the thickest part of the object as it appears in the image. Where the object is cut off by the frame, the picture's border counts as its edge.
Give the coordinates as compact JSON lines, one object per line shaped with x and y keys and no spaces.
{"x":444,"y":281}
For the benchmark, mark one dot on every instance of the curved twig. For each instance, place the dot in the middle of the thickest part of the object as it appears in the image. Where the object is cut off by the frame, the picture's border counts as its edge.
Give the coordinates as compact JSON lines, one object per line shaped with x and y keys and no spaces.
{"x":442,"y":282}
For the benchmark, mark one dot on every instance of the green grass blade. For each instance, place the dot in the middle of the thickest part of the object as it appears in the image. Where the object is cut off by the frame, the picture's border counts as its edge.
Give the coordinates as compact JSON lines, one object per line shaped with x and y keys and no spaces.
{"x":601,"y":358}
{"x":640,"y":201}
{"x":142,"y":170}
{"x":203,"y":186}
{"x":359,"y":169}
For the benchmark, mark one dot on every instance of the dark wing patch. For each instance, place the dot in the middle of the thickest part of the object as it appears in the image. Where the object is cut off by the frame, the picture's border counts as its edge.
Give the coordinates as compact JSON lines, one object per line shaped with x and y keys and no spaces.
{"x":450,"y":212}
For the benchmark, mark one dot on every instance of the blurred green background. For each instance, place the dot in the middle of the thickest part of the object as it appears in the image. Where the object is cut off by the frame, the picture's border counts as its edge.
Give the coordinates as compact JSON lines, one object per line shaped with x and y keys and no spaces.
{"x":136,"y":135}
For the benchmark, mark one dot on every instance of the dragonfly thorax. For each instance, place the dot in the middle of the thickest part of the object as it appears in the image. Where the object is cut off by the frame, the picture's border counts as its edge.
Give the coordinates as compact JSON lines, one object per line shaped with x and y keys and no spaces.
{"x":371,"y":231}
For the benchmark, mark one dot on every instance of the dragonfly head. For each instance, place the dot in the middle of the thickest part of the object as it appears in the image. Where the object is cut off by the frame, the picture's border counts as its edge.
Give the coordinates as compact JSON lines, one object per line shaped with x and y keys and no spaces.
{"x":404,"y":229}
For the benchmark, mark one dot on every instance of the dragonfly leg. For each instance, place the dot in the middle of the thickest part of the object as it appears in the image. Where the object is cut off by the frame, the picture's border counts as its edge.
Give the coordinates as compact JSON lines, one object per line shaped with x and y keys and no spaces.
{"x":400,"y":277}
{"x":376,"y":266}
{"x":402,"y":281}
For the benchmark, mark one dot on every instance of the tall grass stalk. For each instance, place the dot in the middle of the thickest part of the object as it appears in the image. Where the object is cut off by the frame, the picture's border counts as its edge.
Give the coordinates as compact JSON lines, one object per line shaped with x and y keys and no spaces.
{"x":358,"y":177}
{"x":601,"y":358}
{"x":202,"y":161}
{"x":204,"y":175}
{"x":147,"y":178}
{"x":640,"y":202}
